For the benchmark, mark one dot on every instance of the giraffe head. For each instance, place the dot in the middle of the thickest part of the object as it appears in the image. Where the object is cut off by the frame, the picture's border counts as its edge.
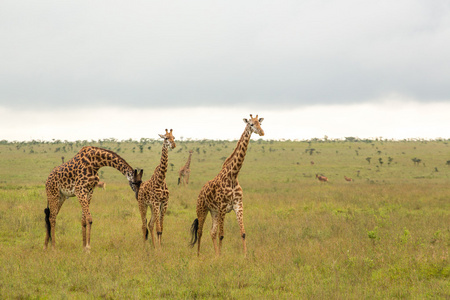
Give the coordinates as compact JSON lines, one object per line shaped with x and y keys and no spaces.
{"x":169,"y":139}
{"x":135,"y":179}
{"x":254,"y":124}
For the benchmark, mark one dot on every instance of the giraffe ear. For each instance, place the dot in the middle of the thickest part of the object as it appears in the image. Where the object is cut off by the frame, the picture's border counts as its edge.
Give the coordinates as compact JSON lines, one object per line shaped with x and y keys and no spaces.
{"x":162,"y":136}
{"x":245,"y":121}
{"x":260,"y":120}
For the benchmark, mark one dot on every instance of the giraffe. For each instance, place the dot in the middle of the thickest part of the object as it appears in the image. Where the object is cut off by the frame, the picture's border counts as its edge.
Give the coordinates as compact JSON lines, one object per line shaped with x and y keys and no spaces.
{"x":185,"y":171}
{"x":154,"y":193}
{"x":78,"y":177}
{"x":223,"y":193}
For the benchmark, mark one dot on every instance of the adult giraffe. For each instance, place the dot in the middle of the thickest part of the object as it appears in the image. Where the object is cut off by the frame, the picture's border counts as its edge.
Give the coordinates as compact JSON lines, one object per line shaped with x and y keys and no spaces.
{"x":223,"y":193}
{"x":78,"y":177}
{"x":154,"y":193}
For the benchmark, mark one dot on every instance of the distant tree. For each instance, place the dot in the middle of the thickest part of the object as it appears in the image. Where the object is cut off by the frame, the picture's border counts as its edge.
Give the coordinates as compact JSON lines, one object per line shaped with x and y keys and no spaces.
{"x":380,"y":160}
{"x":390,"y":159}
{"x":368,"y":159}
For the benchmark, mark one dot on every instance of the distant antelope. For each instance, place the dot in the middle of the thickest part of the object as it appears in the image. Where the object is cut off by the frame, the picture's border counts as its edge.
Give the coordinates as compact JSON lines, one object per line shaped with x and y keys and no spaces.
{"x":101,"y":184}
{"x":321,"y":178}
{"x":347,"y":179}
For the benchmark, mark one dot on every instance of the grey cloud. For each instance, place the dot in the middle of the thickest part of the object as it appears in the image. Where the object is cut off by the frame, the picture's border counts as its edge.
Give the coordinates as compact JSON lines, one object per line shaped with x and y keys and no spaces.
{"x":209,"y":54}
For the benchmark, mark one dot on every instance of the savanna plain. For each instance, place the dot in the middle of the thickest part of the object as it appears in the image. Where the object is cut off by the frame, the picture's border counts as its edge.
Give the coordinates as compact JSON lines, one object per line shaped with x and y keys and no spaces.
{"x":384,"y":235}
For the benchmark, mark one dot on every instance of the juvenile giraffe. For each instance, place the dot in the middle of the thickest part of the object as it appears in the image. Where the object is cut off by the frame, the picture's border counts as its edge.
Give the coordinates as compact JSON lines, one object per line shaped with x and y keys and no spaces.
{"x":185,"y":171}
{"x":223,"y":193}
{"x":154,"y":193}
{"x":78,"y":177}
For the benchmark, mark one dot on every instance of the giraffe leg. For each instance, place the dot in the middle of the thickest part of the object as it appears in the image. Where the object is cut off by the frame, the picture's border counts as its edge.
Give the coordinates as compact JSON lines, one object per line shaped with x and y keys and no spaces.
{"x":163,"y":211}
{"x":151,"y":224}
{"x":201,"y":216}
{"x":143,"y":211}
{"x":86,"y":222}
{"x":220,"y":220}
{"x":239,"y":209}
{"x":214,"y":216}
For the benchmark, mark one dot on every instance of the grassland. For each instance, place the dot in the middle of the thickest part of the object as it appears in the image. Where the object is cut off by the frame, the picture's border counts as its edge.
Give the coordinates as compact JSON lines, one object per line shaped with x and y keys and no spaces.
{"x":385,"y":235}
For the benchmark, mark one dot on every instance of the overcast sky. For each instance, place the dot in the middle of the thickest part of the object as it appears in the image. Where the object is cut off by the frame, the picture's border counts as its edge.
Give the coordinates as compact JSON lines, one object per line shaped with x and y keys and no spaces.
{"x":136,"y":67}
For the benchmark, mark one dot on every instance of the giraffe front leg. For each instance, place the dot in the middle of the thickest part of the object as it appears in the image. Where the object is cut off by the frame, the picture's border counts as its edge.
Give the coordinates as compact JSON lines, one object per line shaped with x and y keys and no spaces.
{"x":214,"y":216}
{"x":83,"y":229}
{"x":143,"y":211}
{"x":86,"y":222}
{"x":163,"y":211}
{"x":239,"y":209}
{"x":151,"y":224}
{"x":221,"y":222}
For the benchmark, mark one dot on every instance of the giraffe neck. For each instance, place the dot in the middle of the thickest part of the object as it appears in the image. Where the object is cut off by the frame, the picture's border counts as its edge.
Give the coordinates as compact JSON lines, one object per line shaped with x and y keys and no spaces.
{"x":98,"y":157}
{"x":188,"y":163}
{"x":159,"y":175}
{"x":236,"y":159}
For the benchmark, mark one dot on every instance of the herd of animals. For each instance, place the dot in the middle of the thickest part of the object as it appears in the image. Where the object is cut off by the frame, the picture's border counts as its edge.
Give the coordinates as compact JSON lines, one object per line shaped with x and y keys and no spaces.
{"x":78,"y":177}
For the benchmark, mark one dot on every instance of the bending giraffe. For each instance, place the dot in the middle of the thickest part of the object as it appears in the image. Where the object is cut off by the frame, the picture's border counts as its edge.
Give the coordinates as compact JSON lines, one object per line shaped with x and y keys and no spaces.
{"x":185,"y":171}
{"x":223,"y":193}
{"x":154,"y":193}
{"x":78,"y":177}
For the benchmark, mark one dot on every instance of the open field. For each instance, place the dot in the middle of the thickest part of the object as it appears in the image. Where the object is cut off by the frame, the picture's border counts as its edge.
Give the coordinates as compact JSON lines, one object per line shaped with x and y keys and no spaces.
{"x":384,"y":235}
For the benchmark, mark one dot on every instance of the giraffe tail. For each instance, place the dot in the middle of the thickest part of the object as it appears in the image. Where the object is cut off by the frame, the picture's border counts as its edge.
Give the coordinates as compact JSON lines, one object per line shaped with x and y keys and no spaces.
{"x":179,"y":179}
{"x":47,"y":221}
{"x":194,"y":229}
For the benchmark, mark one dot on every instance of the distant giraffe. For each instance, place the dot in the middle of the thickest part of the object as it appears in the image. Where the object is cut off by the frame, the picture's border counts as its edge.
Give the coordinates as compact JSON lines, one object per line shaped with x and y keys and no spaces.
{"x":223,"y":193}
{"x":348,"y":179}
{"x":185,"y":171}
{"x":321,"y":178}
{"x":78,"y":177}
{"x":154,"y":193}
{"x":101,"y":184}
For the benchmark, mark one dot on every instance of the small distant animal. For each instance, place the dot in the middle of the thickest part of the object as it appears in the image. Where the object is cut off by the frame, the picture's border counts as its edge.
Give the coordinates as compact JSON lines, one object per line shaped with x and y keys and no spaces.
{"x":348,"y":179}
{"x":312,"y":163}
{"x":101,"y":184}
{"x":321,"y":178}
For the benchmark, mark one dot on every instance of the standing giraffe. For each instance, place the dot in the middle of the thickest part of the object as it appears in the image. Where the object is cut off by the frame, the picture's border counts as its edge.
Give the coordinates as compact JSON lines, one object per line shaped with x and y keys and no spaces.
{"x":78,"y":177}
{"x":154,"y":193}
{"x":185,"y":171}
{"x":223,"y":193}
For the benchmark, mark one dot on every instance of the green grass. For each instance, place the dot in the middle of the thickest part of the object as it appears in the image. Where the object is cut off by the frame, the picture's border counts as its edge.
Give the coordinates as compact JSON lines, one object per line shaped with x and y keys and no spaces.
{"x":385,"y":235}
